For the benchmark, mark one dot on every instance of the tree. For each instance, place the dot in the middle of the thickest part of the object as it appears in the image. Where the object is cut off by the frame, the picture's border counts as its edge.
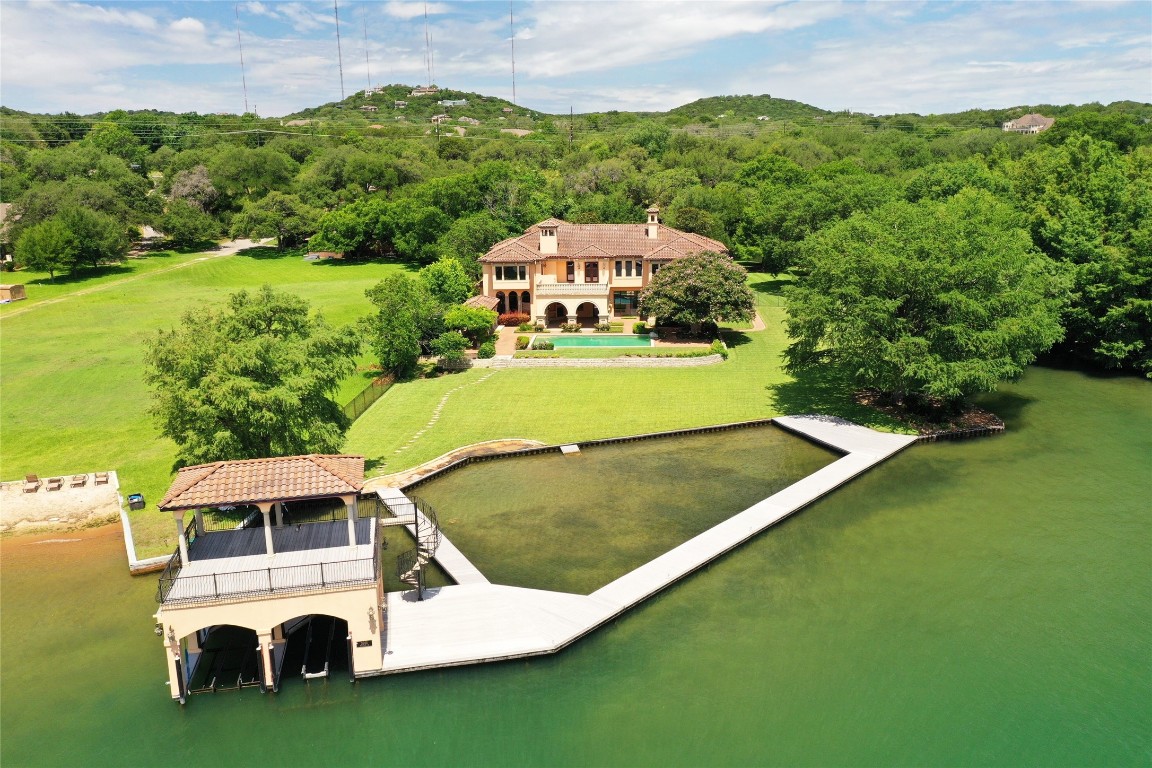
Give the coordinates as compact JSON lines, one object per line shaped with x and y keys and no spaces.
{"x":195,"y":186}
{"x":474,"y":322}
{"x":186,"y":224}
{"x":278,"y":215}
{"x":703,"y":287}
{"x":939,"y":299}
{"x":407,"y":318}
{"x":100,"y":237}
{"x":251,"y":379}
{"x":48,"y":247}
{"x":450,"y":345}
{"x":447,"y":281}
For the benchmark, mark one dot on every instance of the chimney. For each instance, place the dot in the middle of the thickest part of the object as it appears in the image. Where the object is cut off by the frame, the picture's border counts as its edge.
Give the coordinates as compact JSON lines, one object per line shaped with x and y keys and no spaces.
{"x":652,"y":229}
{"x":547,"y":237}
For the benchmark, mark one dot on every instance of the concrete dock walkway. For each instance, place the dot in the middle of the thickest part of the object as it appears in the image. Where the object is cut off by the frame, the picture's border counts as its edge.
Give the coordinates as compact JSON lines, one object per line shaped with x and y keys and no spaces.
{"x":476,"y":621}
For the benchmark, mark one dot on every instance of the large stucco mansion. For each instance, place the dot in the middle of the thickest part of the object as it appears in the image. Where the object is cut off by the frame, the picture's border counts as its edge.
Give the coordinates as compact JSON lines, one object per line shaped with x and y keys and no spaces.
{"x":561,"y":272}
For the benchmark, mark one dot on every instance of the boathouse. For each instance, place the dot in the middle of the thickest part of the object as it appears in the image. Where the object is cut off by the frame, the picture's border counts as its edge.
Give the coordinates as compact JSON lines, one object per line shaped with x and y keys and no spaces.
{"x":276,"y":571}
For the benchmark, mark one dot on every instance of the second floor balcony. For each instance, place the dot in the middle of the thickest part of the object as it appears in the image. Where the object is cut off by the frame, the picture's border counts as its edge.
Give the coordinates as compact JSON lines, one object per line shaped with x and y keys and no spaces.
{"x":546,"y":287}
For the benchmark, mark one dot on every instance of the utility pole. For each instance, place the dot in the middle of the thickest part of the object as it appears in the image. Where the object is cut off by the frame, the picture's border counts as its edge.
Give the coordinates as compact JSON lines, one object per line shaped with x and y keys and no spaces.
{"x":367,"y":65}
{"x":339,"y":53}
{"x":512,"y":33}
{"x":243,"y":77}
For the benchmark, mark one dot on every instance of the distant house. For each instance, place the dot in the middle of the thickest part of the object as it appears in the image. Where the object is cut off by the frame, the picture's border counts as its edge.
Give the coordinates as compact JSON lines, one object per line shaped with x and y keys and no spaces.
{"x":297,"y":123}
{"x":453,"y":102}
{"x":763,"y":117}
{"x":399,"y":104}
{"x":507,"y":109}
{"x":369,"y":108}
{"x":1030,"y":123}
{"x":440,"y":119}
{"x":469,"y":120}
{"x":425,"y":90}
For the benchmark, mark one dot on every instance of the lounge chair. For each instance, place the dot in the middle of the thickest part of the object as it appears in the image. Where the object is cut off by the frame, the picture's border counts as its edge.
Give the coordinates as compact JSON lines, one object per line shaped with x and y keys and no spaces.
{"x":78,"y":481}
{"x":54,"y":484}
{"x":31,"y":483}
{"x":100,"y":478}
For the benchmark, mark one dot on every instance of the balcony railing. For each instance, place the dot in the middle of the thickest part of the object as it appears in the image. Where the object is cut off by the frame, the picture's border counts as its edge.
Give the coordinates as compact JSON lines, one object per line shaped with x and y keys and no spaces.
{"x":177,"y":590}
{"x":571,"y":289}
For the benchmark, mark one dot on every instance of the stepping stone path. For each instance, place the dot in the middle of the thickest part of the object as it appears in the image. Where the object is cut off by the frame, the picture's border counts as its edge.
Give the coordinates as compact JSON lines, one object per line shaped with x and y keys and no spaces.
{"x":440,"y":407}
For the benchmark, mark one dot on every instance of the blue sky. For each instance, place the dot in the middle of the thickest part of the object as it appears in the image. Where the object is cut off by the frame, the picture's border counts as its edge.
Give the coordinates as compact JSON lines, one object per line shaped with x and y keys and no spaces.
{"x":878,"y":57}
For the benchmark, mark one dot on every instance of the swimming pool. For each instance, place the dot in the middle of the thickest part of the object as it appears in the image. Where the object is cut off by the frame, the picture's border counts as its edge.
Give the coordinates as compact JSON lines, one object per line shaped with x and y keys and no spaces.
{"x":583,"y":340}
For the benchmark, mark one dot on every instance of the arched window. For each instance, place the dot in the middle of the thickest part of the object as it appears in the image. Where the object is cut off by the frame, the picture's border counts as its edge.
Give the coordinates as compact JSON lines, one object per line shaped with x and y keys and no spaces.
{"x":513,"y":301}
{"x":500,"y":302}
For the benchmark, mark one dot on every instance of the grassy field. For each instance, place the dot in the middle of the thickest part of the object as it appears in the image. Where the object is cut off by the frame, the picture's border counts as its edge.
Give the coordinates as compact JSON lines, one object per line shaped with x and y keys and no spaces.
{"x":71,"y":374}
{"x":74,"y":399}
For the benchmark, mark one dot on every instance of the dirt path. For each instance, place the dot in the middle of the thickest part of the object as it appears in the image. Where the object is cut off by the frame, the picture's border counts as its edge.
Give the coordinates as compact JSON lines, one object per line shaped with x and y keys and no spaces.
{"x":224,"y":250}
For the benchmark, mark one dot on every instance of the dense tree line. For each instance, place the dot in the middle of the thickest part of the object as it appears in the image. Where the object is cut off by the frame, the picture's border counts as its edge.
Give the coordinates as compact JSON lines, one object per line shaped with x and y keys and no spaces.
{"x":1081,"y":191}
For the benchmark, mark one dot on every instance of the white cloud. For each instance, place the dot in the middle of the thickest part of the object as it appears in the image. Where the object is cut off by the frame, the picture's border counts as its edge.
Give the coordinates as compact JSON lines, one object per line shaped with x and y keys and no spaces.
{"x":187,"y":25}
{"x":399,"y":9}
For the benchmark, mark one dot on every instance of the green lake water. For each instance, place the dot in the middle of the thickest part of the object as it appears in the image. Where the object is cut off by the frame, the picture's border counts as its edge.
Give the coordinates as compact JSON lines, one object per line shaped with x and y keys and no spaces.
{"x":986,"y":602}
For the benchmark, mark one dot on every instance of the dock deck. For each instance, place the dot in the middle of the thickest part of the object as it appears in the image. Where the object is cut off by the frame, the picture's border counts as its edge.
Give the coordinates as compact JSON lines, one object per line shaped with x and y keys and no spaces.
{"x":476,"y":621}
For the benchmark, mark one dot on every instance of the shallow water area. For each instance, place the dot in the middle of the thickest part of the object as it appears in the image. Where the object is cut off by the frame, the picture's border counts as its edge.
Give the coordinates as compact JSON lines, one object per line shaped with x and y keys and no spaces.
{"x":986,"y":602}
{"x":573,"y":523}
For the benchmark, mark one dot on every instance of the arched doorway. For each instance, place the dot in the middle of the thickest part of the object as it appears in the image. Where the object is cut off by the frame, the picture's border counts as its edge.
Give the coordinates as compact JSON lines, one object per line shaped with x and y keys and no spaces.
{"x":526,"y":303}
{"x":513,"y":301}
{"x":556,"y":313}
{"x":315,"y":646}
{"x":500,"y":303}
{"x":224,"y":657}
{"x":587,"y":314}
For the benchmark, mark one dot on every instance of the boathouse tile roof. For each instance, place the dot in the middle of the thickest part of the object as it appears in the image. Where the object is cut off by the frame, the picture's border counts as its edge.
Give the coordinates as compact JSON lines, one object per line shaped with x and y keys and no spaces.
{"x":248,"y":481}
{"x":614,"y":240}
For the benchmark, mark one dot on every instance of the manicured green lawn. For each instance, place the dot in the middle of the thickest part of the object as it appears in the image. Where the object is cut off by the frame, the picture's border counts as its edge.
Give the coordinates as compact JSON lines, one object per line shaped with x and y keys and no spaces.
{"x":71,"y":372}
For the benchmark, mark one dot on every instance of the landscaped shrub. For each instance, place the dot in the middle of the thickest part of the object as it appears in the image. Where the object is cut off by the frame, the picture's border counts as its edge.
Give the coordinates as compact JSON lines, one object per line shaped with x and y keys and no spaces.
{"x":486,"y":350}
{"x":718,"y":348}
{"x":509,"y":319}
{"x":524,"y":327}
{"x":540,"y":328}
{"x":641,"y":328}
{"x":570,"y":328}
{"x":543,"y":344}
{"x":521,"y":342}
{"x":603,"y":327}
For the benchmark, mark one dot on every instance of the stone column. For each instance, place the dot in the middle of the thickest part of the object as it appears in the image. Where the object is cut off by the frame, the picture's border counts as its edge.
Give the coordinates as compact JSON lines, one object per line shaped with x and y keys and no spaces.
{"x":265,"y":509}
{"x":266,"y":654}
{"x":350,"y":502}
{"x":279,"y":507}
{"x":199,"y":515}
{"x":179,"y":515}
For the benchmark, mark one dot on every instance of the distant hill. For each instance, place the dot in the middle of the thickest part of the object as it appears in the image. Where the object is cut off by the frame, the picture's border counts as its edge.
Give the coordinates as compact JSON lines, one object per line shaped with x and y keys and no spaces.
{"x":418,"y":109}
{"x":746,"y":108}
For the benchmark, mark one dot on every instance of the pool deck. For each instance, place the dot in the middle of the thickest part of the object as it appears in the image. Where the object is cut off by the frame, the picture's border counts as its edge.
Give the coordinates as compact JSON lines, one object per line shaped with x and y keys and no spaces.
{"x":476,"y":621}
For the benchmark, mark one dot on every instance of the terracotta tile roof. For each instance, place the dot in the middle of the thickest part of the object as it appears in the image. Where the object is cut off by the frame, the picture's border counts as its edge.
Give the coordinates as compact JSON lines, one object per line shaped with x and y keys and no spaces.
{"x":483,"y":302}
{"x":614,"y":240}
{"x":276,"y":479}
